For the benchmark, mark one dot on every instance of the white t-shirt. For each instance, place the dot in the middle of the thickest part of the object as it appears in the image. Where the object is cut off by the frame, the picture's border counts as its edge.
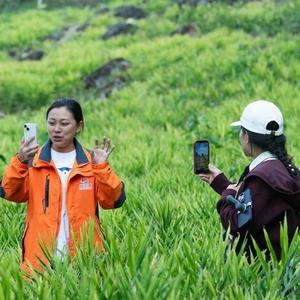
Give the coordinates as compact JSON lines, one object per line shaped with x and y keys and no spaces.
{"x":64,"y":164}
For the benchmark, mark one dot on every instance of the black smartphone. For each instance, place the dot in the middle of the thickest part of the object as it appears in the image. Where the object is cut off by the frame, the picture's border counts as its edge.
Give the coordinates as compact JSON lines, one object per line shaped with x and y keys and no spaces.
{"x":201,"y":156}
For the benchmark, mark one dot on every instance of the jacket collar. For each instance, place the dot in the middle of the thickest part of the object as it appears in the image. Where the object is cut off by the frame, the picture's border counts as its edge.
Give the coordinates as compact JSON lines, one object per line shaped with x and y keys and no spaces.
{"x":45,"y":153}
{"x":266,"y":155}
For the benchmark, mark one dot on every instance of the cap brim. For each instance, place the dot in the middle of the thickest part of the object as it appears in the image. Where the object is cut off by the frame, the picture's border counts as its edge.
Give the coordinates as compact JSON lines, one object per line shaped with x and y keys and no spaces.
{"x":235,"y":124}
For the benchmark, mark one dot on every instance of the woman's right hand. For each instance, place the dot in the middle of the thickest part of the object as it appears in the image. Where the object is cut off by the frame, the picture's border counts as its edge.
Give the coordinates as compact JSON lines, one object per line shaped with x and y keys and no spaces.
{"x":101,"y":153}
{"x":213,"y":172}
{"x":27,"y":152}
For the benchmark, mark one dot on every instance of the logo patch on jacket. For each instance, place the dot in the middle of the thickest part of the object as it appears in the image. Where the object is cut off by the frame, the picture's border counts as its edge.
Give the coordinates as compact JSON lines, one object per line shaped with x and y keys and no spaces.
{"x":85,"y":184}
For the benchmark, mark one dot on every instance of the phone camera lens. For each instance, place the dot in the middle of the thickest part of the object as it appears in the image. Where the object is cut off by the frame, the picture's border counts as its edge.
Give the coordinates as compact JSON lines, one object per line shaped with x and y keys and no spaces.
{"x":27,"y":128}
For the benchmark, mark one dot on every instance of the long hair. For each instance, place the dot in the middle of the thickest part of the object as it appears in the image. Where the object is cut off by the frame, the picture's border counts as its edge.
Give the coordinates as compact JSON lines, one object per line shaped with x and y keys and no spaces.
{"x":277,"y":146}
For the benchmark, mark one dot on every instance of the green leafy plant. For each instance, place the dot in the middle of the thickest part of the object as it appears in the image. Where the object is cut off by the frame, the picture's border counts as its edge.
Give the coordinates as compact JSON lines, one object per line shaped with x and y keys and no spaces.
{"x":166,"y":241}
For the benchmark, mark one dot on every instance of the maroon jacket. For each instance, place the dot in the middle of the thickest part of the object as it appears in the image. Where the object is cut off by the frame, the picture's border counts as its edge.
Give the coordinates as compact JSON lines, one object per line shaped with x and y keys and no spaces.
{"x":275,"y":194}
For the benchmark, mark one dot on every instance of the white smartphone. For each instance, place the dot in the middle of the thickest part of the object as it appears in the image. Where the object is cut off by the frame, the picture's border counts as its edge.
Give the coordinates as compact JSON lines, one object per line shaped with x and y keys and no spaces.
{"x":30,"y":130}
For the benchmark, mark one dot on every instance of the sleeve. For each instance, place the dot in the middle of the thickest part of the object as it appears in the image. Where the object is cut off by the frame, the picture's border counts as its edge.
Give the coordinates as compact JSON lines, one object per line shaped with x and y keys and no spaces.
{"x":261,"y":194}
{"x":220,"y":183}
{"x":14,"y":185}
{"x":110,"y":190}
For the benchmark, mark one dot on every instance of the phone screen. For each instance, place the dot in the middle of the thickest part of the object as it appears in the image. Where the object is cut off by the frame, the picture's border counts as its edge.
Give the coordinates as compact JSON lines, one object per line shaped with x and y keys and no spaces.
{"x":201,"y":157}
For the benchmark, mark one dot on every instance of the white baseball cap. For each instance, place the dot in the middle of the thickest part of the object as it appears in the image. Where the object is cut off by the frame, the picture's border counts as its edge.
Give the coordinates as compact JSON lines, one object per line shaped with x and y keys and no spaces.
{"x":258,"y":115}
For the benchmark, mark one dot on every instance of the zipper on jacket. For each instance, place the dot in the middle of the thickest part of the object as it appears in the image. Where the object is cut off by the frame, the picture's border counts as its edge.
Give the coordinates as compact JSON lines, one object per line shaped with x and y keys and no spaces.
{"x":46,"y":198}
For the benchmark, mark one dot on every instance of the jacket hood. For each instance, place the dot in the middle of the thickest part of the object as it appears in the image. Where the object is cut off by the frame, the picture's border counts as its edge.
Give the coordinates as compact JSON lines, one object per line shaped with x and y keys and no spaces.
{"x":275,"y":174}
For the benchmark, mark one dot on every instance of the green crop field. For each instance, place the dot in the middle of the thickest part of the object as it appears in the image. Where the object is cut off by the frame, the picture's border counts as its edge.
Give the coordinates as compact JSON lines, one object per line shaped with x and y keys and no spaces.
{"x":166,"y":241}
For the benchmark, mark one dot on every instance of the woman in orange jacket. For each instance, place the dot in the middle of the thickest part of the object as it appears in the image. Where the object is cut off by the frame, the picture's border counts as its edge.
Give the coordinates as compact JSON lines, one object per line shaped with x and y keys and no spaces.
{"x":62,"y":184}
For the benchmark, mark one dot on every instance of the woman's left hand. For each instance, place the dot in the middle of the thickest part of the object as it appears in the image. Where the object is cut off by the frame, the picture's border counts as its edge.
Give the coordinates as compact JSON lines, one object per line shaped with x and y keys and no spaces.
{"x":235,"y":187}
{"x":101,"y":153}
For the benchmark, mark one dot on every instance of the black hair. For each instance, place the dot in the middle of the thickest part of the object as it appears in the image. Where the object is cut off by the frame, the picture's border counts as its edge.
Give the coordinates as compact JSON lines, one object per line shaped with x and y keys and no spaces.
{"x":276,"y":145}
{"x":71,"y":105}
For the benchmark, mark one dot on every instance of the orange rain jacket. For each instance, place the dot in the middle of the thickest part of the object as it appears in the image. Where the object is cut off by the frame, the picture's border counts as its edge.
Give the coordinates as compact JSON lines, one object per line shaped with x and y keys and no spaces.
{"x":38,"y":184}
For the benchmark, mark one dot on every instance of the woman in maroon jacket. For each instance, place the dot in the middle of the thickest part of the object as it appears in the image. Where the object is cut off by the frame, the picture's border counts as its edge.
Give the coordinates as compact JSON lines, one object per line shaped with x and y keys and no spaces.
{"x":271,"y":179}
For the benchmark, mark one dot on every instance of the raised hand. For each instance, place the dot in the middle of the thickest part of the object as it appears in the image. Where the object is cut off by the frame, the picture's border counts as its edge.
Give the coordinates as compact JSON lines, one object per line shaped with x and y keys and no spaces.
{"x":213,"y":172}
{"x":26,"y":151}
{"x":234,"y":186}
{"x":101,"y":153}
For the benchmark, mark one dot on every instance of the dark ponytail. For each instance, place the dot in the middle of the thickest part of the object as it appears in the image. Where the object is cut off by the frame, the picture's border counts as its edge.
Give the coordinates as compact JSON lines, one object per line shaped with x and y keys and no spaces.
{"x":276,"y":145}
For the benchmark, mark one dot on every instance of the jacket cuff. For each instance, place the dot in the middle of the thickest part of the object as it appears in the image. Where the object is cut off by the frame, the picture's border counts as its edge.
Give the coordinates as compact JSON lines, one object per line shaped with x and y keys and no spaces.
{"x":105,"y":174}
{"x":18,"y":163}
{"x":220,"y":183}
{"x":2,"y":192}
{"x":121,"y":198}
{"x":100,"y":166}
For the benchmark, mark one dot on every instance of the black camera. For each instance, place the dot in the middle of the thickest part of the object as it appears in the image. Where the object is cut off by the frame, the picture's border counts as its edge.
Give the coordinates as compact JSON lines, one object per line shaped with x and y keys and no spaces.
{"x":243,"y":206}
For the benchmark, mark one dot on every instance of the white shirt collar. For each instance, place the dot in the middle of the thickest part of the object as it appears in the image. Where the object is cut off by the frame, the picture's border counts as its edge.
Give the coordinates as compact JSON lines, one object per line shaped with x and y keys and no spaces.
{"x":267,"y":155}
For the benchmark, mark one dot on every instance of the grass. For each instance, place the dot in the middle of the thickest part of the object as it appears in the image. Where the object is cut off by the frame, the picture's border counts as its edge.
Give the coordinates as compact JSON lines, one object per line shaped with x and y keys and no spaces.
{"x":166,"y":241}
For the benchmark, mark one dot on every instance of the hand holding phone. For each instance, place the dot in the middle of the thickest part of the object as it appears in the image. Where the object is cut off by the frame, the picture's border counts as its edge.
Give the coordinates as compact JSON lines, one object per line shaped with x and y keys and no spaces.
{"x":29,"y":146}
{"x":201,"y":156}
{"x":30,"y":132}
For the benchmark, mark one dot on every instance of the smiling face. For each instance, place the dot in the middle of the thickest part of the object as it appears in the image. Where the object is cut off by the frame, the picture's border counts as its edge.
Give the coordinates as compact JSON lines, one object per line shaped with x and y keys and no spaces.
{"x":62,"y":128}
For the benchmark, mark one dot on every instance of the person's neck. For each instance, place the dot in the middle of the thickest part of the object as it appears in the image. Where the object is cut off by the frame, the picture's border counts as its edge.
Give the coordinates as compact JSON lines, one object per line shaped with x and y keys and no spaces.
{"x":256,"y":151}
